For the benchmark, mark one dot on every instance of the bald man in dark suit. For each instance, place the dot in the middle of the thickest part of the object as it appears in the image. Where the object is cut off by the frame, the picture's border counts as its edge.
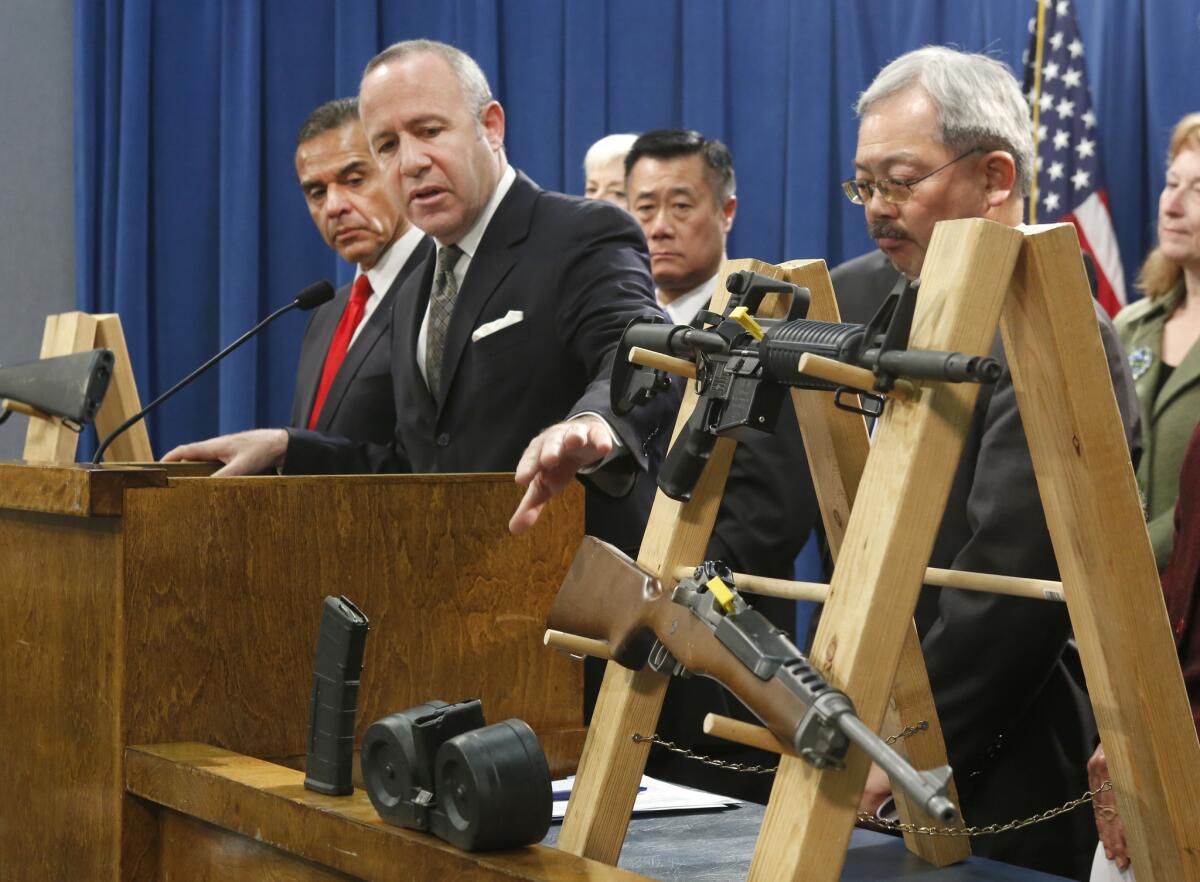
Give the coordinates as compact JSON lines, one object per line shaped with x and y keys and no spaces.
{"x":509,"y":332}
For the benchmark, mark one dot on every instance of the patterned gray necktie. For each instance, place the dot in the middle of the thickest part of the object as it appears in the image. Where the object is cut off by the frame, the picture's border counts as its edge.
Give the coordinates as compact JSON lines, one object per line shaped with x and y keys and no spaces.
{"x":441,"y":307}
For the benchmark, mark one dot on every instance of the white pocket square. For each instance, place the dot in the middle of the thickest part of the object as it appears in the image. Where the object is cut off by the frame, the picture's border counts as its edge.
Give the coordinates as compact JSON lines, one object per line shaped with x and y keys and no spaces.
{"x":511,"y":318}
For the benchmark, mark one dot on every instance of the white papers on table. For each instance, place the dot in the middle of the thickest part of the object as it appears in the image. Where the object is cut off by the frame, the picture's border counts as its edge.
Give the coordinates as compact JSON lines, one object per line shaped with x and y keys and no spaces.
{"x":653,"y":796}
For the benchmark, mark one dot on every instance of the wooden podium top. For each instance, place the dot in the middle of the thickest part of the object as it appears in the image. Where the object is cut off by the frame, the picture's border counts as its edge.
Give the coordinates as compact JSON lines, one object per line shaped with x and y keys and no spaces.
{"x":87,"y":491}
{"x":76,"y":490}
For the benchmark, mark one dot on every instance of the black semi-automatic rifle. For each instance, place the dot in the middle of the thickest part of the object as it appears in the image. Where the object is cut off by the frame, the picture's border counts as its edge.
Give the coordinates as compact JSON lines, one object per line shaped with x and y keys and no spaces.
{"x":745,"y":366}
{"x":705,"y":627}
{"x":69,"y":387}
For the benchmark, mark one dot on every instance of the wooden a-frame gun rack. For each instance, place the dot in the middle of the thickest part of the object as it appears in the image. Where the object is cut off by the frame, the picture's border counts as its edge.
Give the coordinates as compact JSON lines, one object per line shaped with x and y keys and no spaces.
{"x":977,"y":275}
{"x":48,"y":439}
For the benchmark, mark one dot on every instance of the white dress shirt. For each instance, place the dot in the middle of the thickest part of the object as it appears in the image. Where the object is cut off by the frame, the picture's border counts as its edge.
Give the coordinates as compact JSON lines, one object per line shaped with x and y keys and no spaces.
{"x":384,"y":272}
{"x":684,"y":307}
{"x":469,"y":245}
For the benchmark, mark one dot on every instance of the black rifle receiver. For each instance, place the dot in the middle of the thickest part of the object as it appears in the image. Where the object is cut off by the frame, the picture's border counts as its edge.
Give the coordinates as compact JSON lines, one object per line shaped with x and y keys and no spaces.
{"x":70,"y":387}
{"x":340,"y":646}
{"x":745,"y":366}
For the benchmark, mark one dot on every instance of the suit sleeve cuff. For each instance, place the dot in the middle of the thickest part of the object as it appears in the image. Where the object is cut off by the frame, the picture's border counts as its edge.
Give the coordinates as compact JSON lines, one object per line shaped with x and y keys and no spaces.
{"x":615,"y":474}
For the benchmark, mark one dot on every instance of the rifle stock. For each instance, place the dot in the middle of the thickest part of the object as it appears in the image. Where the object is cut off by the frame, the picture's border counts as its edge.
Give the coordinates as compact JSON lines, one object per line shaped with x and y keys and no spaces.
{"x":694,"y":629}
{"x":71,"y":387}
{"x":606,"y":596}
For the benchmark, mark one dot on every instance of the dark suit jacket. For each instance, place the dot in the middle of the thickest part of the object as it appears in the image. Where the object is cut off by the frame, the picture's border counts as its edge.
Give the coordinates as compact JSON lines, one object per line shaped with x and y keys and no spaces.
{"x":1181,"y":578}
{"x":1018,"y":729}
{"x":360,"y":404}
{"x":579,"y":271}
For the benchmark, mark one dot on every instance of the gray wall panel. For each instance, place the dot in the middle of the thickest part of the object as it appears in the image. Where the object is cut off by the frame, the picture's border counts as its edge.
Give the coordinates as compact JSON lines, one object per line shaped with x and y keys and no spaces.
{"x":37,"y":227}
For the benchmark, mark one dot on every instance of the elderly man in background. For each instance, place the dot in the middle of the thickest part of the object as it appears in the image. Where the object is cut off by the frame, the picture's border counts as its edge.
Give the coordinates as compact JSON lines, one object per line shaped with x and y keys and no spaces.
{"x":604,"y":169}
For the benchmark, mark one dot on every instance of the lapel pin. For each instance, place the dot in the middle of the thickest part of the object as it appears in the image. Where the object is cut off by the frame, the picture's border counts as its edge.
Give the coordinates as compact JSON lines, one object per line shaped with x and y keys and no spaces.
{"x":1139,"y":361}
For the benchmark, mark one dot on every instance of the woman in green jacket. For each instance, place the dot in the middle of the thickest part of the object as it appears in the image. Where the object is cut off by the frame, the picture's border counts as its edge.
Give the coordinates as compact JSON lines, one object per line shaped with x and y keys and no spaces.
{"x":1159,"y":334}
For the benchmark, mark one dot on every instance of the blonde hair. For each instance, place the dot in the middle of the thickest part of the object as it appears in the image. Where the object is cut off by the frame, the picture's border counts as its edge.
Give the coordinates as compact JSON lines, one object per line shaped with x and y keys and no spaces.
{"x":1159,"y":274}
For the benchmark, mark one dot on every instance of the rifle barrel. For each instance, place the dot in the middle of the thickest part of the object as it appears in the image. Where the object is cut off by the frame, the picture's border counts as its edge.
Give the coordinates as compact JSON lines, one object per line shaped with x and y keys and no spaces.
{"x":927,"y":789}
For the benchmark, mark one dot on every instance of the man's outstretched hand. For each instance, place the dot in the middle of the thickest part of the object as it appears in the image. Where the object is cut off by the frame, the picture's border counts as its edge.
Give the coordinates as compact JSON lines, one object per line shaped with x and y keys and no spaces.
{"x":551,"y":461}
{"x":245,"y":453}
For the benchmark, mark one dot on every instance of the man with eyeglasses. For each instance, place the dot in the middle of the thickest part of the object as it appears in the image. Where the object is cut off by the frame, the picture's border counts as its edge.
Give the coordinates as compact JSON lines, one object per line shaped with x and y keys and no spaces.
{"x":944,"y":135}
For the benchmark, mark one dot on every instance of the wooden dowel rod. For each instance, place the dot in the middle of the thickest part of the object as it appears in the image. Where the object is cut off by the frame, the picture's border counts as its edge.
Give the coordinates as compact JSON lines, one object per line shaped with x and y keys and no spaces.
{"x":1038,"y":589}
{"x":786,"y":588}
{"x":668,"y":363}
{"x":23,"y":408}
{"x":744,"y":733}
{"x":576,"y":645}
{"x":849,"y":375}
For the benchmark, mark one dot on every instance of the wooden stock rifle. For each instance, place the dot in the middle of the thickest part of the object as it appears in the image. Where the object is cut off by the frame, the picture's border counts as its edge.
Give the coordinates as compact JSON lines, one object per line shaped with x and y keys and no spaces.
{"x":705,"y":627}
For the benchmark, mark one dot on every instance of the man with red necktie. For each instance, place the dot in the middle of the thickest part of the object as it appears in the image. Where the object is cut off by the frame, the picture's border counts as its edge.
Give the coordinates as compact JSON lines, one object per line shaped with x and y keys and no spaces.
{"x":343,"y":382}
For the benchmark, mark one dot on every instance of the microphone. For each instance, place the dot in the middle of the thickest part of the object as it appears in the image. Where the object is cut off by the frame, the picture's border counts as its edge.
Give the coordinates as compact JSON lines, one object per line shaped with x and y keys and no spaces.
{"x":312,"y":296}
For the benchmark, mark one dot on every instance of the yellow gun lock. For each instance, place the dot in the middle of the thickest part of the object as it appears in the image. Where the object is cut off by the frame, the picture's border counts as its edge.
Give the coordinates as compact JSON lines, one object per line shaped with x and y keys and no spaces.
{"x":742,"y":316}
{"x":721,"y":593}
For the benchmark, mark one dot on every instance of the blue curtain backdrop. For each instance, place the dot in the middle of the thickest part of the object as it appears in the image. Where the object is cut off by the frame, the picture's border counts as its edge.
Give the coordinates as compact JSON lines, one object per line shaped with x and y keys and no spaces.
{"x":190,"y":225}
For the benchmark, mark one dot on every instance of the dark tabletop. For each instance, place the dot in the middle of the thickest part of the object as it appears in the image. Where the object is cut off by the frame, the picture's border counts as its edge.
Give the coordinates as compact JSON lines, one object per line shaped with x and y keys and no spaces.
{"x":717,"y":846}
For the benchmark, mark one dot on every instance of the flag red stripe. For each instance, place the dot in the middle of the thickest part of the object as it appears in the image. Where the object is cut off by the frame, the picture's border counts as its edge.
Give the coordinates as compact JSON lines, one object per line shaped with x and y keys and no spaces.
{"x":1104,"y":289}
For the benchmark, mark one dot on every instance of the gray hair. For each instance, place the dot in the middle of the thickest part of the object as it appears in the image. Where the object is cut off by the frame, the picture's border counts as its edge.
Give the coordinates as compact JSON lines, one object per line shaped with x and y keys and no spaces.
{"x":608,"y":148}
{"x":476,"y":91}
{"x":978,"y":100}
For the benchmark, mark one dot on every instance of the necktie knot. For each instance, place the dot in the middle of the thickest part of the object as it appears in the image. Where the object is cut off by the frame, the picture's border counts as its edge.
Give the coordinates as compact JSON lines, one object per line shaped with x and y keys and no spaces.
{"x":448,"y":257}
{"x":361,"y":291}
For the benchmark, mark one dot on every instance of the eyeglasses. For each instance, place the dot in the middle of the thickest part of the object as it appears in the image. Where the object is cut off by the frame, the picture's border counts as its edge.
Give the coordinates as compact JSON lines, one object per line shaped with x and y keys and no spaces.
{"x":893,"y":190}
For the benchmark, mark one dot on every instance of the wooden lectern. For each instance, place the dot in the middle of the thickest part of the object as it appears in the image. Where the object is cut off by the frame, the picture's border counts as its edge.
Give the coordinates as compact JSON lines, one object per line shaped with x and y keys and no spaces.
{"x":143,"y":608}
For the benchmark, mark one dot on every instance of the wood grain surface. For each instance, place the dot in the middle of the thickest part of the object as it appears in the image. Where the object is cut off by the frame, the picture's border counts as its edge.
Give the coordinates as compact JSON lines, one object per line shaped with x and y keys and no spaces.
{"x":59,"y":693}
{"x":122,"y":400}
{"x":198,"y":852}
{"x":225,"y":581}
{"x":74,"y":490}
{"x":1109,"y":577}
{"x":866,"y":621}
{"x":194,"y":615}
{"x":343,"y":835}
{"x":50,"y":440}
{"x":837,"y":445}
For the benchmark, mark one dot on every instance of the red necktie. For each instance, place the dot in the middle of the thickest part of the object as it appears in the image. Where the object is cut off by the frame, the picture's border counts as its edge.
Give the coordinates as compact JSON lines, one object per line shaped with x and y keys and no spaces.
{"x":351,"y":319}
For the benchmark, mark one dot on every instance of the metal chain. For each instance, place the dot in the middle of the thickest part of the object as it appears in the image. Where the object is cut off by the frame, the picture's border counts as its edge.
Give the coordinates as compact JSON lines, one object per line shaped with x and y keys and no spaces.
{"x":894,"y":826}
{"x":700,"y":758}
{"x":742,"y":767}
{"x":907,"y":731}
{"x":987,"y":829}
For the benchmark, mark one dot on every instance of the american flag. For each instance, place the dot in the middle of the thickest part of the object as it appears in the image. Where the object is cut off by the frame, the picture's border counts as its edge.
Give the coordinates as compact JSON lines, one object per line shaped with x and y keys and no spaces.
{"x":1069,"y":184}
